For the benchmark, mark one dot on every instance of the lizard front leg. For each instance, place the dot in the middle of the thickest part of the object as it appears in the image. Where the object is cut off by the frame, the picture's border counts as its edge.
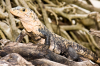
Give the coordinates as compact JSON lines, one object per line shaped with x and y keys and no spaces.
{"x":21,"y":36}
{"x":47,"y":41}
{"x":44,"y":34}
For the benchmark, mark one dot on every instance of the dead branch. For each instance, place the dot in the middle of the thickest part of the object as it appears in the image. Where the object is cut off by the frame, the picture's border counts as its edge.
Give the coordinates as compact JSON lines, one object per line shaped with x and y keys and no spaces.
{"x":33,"y":7}
{"x":14,"y":30}
{"x":3,"y":15}
{"x":45,"y":16}
{"x":23,"y":3}
{"x":31,"y":51}
{"x":6,"y":29}
{"x":46,"y":62}
{"x":14,"y":59}
{"x":2,"y":35}
{"x":95,"y":32}
{"x":17,"y":3}
{"x":71,"y":27}
{"x":81,"y":4}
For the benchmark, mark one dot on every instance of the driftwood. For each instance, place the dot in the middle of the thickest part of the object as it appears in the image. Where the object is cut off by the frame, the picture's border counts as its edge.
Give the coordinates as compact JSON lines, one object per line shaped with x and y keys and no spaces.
{"x":14,"y":59}
{"x":35,"y":54}
{"x":95,"y":32}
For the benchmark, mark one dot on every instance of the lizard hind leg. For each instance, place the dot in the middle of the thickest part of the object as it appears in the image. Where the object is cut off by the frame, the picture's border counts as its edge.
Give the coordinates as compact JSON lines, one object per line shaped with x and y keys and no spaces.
{"x":73,"y":55}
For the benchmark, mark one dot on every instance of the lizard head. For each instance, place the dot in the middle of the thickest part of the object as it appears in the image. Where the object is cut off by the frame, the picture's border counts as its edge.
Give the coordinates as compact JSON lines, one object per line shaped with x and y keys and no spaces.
{"x":21,"y":12}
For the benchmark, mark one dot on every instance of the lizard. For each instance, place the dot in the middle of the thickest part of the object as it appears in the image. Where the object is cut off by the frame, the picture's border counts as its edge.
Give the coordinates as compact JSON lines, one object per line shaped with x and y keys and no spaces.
{"x":41,"y":35}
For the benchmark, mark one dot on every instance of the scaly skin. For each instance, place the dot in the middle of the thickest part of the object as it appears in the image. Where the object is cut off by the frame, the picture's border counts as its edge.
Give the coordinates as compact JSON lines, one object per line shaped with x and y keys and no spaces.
{"x":41,"y":35}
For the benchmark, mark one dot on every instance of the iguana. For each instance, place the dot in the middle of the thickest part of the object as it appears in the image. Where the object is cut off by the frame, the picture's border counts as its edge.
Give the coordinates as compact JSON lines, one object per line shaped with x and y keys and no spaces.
{"x":41,"y":35}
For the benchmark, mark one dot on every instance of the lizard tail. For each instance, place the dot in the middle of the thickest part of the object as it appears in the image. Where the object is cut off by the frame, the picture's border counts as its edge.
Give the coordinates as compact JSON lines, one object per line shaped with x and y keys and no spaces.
{"x":85,"y":52}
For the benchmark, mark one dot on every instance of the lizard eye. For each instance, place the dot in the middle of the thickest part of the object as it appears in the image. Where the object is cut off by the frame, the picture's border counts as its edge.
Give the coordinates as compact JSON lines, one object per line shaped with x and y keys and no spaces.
{"x":23,"y":10}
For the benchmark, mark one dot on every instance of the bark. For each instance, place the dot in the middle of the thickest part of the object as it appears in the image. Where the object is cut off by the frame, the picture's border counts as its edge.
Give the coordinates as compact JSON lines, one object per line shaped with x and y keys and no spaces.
{"x":13,"y":59}
{"x":36,"y":53}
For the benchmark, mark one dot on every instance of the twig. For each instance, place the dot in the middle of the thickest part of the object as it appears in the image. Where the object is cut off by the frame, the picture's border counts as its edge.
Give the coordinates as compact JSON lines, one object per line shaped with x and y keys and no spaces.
{"x":82,"y":34}
{"x":54,"y":15}
{"x":75,"y":38}
{"x":92,"y":47}
{"x":58,"y":28}
{"x":89,"y":2}
{"x":71,"y":27}
{"x":2,"y":35}
{"x":33,"y":7}
{"x":14,"y":30}
{"x":3,"y":5}
{"x":82,"y":4}
{"x":49,"y":2}
{"x":23,"y":3}
{"x":87,"y":6}
{"x":45,"y":16}
{"x":91,"y":38}
{"x":17,"y":3}
{"x":3,"y":15}
{"x":68,"y":16}
{"x":65,"y":34}
{"x":6,"y":29}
